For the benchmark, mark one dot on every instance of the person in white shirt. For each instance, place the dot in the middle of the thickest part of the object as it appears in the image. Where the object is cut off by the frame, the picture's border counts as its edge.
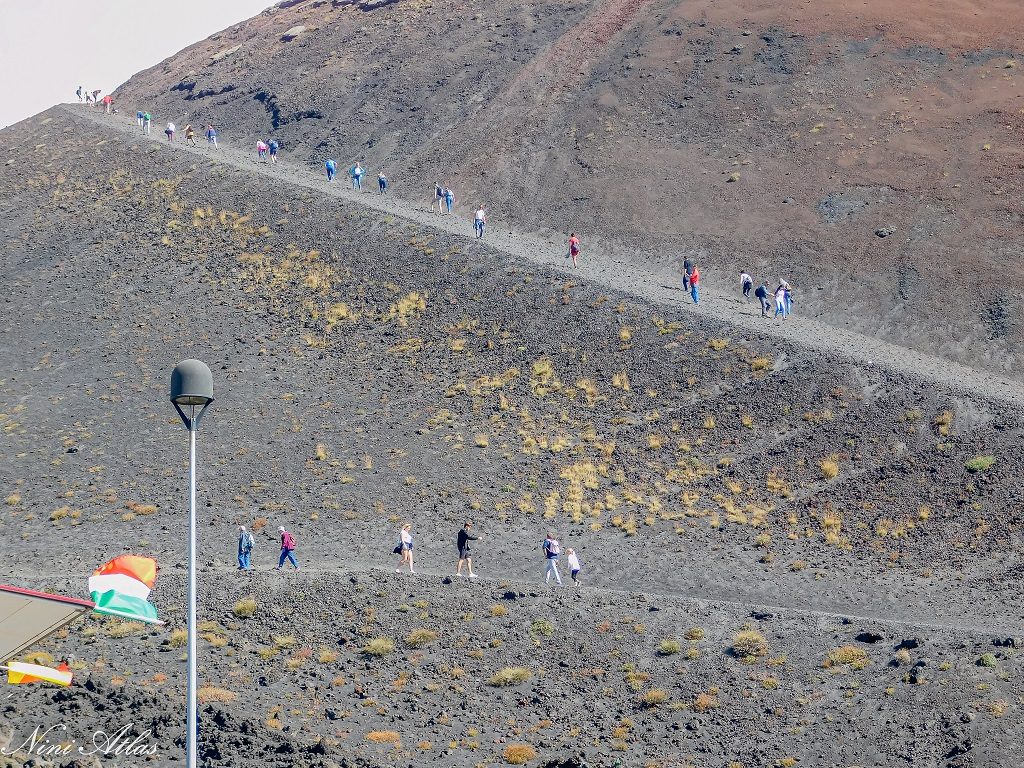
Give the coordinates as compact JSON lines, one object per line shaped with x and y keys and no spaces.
{"x":574,"y":566}
{"x":480,"y":221}
{"x":552,"y":552}
{"x":746,"y":282}
{"x":405,"y":547}
{"x":169,"y":130}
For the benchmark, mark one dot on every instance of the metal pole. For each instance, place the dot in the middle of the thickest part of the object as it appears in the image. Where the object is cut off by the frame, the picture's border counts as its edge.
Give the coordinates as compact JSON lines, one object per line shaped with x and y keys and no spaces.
{"x":190,"y":753}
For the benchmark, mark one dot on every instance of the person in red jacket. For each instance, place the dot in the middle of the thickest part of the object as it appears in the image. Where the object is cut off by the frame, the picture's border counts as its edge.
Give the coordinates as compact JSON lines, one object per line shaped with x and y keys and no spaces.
{"x":574,"y":248}
{"x":694,"y":282}
{"x":287,"y":549}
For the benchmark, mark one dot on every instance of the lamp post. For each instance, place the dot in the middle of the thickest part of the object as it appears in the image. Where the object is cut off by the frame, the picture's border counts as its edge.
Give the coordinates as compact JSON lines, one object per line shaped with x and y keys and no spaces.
{"x":191,"y":388}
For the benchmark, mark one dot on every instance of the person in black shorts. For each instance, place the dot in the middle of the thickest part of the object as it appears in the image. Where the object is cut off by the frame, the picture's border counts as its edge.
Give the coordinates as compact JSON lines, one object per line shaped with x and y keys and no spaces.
{"x":465,"y":556}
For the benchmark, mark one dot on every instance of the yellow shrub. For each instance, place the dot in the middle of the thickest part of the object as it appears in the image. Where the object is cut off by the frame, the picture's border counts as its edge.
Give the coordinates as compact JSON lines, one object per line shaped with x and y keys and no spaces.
{"x":519,"y":754}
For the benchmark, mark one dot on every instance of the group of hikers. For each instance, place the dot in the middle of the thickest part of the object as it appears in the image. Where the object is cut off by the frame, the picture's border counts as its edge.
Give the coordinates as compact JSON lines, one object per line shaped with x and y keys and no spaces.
{"x":356,"y":173}
{"x":93,"y":97}
{"x":444,"y":198}
{"x":782,"y":296}
{"x":551,"y":550}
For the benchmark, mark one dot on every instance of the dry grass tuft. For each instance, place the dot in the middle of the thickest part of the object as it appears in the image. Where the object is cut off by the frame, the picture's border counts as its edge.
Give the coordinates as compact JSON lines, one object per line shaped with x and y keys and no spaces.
{"x":749,"y":643}
{"x":379,"y":646}
{"x":245,"y":608}
{"x":847,"y":655}
{"x":509,"y":676}
{"x":519,"y":754}
{"x":420,"y":637}
{"x":384,"y":737}
{"x":209,"y":693}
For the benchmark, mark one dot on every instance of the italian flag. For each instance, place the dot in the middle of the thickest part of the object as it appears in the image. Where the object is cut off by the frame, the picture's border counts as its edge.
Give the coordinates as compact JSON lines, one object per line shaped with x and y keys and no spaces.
{"x":121,"y":588}
{"x":19,"y":673}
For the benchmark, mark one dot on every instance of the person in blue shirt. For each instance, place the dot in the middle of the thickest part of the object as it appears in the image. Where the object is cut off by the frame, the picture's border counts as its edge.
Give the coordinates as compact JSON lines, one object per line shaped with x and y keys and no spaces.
{"x":211,"y":134}
{"x":331,"y":169}
{"x":273,"y":147}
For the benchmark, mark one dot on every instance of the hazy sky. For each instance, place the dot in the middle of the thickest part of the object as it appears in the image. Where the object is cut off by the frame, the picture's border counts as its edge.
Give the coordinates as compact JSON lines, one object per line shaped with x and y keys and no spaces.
{"x":50,"y":47}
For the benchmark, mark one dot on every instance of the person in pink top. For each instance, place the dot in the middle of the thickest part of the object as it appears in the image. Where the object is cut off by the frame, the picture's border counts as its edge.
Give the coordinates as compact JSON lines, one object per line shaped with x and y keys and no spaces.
{"x":287,"y":549}
{"x":261,"y":149}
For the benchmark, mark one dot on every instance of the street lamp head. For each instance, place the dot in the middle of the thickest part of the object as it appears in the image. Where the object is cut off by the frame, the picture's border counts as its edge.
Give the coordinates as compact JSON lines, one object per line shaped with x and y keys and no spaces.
{"x":191,"y":383}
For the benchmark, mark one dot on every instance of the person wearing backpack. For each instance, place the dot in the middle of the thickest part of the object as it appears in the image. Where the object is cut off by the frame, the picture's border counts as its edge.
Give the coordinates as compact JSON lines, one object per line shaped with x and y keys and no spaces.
{"x":449,"y":199}
{"x":404,"y":548}
{"x":552,"y":552}
{"x":273,"y":147}
{"x":332,"y":168}
{"x":762,"y":295}
{"x":287,"y":549}
{"x":147,"y":122}
{"x":245,"y":544}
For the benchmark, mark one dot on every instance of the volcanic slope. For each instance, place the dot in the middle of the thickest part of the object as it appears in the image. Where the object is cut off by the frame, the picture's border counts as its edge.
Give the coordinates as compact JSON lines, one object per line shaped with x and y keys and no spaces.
{"x":870,"y":155}
{"x":777,"y":543}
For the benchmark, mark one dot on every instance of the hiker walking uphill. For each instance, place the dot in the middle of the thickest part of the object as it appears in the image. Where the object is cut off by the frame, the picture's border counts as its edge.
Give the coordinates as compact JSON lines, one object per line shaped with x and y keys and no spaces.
{"x":462,"y":542}
{"x":357,"y":177}
{"x":449,"y":199}
{"x":272,"y":147}
{"x":574,"y":565}
{"x":190,"y":135}
{"x":780,"y":302}
{"x":108,"y":101}
{"x":746,"y":283}
{"x":147,"y":122}
{"x":762,"y":295}
{"x":169,"y":131}
{"x":332,"y":168}
{"x":287,"y":549}
{"x":480,"y":221}
{"x":404,"y":548}
{"x":78,"y":93}
{"x":695,"y":285}
{"x":574,"y":249}
{"x":382,"y":182}
{"x":261,"y":149}
{"x":245,"y":544}
{"x":438,"y":198}
{"x":211,"y":135}
{"x":687,"y":271}
{"x":552,"y":552}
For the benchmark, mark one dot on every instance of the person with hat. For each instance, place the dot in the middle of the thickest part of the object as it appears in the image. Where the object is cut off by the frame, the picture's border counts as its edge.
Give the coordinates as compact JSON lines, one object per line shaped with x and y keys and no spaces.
{"x":287,"y":549}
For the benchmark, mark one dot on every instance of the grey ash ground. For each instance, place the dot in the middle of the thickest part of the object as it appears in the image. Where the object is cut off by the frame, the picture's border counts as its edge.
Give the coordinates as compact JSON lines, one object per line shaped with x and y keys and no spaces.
{"x":372,"y":370}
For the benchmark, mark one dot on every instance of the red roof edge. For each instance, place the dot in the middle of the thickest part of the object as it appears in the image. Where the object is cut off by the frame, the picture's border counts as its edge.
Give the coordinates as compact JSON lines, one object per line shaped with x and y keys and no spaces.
{"x":47,"y":596}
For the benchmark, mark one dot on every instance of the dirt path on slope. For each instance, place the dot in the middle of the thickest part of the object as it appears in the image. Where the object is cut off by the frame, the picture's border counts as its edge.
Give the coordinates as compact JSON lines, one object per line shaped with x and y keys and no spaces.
{"x":896,"y":621}
{"x":659,"y":287}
